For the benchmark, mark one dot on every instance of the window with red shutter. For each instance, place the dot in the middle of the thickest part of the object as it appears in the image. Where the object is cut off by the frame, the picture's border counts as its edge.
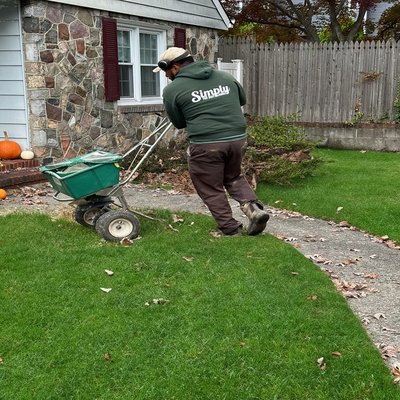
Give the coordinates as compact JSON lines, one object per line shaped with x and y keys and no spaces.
{"x":110,"y":59}
{"x":180,"y":38}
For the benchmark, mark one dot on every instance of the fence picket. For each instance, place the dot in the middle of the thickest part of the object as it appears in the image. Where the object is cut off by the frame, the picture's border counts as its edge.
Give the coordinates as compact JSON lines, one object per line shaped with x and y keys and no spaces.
{"x":329,"y":82}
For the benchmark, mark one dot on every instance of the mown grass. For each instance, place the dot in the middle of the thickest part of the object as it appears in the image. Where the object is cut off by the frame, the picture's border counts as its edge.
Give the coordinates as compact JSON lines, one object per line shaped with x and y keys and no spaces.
{"x":235,"y":323}
{"x":362,"y":188}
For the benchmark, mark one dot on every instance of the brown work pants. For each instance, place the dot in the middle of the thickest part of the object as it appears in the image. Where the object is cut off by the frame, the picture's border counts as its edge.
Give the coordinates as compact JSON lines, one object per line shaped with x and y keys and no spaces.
{"x":214,"y":167}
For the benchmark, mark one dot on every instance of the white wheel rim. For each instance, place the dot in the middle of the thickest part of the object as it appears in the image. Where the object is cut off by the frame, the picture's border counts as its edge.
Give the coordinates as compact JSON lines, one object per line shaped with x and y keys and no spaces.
{"x":120,"y":228}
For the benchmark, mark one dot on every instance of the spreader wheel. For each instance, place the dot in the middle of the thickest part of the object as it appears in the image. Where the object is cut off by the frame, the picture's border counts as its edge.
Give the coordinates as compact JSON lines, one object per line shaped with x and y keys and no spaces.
{"x":117,"y":225}
{"x":87,"y":215}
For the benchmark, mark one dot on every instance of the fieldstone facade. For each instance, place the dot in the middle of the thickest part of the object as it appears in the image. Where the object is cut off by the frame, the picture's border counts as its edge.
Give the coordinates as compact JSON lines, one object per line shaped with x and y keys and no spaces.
{"x":68,"y":114}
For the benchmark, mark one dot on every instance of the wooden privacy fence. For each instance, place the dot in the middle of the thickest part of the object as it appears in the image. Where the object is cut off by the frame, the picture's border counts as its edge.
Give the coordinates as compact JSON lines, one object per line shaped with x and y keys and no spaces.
{"x":332,"y":82}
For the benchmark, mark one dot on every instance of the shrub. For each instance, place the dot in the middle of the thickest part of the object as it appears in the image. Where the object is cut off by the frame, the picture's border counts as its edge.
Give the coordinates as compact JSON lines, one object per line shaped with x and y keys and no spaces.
{"x":278,"y":151}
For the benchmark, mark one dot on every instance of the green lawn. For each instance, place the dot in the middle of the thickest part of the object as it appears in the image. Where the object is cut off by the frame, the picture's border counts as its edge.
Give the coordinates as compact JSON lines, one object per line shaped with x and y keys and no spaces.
{"x":366,"y":186}
{"x":240,"y":318}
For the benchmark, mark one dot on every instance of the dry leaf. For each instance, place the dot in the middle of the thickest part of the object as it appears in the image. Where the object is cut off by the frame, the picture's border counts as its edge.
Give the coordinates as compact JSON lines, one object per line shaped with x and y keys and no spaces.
{"x":388,"y":351}
{"x":339,"y":209}
{"x":373,"y":256}
{"x":396,"y":373}
{"x":126,"y":241}
{"x":344,"y":224}
{"x":321,"y":363}
{"x":1,"y":360}
{"x":109,"y":272}
{"x":295,"y":273}
{"x":176,"y":218}
{"x":386,"y":329}
{"x":172,"y":228}
{"x":157,"y":301}
{"x":336,"y":354}
{"x":107,"y":357}
{"x":189,"y":259}
{"x":242,"y":344}
{"x":105,"y":290}
{"x":370,"y":276}
{"x":312,"y":297}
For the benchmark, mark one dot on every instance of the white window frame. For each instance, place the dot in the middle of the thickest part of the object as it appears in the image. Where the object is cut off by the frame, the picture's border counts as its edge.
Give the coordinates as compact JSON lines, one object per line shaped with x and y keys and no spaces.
{"x":135,"y":28}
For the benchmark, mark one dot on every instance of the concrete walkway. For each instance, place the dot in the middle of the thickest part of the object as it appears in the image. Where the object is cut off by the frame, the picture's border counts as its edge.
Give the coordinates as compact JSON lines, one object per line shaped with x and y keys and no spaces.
{"x":364,"y":268}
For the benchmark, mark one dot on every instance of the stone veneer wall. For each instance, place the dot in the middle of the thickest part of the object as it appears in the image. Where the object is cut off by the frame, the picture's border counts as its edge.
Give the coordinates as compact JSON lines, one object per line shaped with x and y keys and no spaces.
{"x":68,"y":114}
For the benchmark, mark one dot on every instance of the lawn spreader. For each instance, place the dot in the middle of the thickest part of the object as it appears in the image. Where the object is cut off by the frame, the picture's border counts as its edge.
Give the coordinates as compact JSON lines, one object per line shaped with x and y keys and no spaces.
{"x":92,"y":183}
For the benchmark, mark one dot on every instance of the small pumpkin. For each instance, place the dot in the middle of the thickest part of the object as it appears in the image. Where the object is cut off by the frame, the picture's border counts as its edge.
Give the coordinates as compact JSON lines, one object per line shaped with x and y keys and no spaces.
{"x":27,"y":155}
{"x":3,"y":194}
{"x":9,"y":149}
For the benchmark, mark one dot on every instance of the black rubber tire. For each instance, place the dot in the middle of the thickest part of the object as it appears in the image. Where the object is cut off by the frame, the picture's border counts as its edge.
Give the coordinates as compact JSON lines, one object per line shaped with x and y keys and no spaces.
{"x":118,"y":225}
{"x":87,"y":215}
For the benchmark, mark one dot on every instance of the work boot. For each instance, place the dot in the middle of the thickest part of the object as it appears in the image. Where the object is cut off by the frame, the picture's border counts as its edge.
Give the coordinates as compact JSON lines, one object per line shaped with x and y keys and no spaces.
{"x":258,"y":218}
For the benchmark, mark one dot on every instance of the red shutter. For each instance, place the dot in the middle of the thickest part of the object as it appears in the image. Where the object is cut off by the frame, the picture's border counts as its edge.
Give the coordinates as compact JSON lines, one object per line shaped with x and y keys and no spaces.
{"x":110,"y":59}
{"x":180,"y":38}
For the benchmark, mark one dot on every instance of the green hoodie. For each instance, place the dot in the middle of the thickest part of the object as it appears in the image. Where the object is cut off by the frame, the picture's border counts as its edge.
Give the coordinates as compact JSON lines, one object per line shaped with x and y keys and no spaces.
{"x":207,"y":102}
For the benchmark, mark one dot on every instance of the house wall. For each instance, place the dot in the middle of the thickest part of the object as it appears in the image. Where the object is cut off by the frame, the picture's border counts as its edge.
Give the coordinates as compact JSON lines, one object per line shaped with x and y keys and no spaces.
{"x":68,"y":113}
{"x":13,"y":114}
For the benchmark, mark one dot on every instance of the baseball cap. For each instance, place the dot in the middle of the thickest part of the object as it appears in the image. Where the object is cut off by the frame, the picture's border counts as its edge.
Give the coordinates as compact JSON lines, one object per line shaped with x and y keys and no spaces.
{"x":172,"y":54}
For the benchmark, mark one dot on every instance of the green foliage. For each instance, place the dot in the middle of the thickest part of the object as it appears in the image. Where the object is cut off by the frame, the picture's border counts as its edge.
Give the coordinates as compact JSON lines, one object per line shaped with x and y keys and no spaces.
{"x":283,"y":171}
{"x":278,"y":151}
{"x":277,"y":132}
{"x":326,"y":34}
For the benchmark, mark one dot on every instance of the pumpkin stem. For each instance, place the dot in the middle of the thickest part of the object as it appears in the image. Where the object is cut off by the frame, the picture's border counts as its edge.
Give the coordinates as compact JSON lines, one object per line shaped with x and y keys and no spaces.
{"x":5,"y":135}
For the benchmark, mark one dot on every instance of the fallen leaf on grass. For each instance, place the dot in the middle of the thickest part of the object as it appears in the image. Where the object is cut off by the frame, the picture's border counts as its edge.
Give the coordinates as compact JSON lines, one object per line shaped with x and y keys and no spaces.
{"x":336,"y":353}
{"x":295,"y":273}
{"x":105,"y":290}
{"x":1,"y":360}
{"x":176,"y":218}
{"x":109,"y":272}
{"x":172,"y":228}
{"x":107,"y":357}
{"x":321,"y":363}
{"x":339,"y":209}
{"x":126,"y":241}
{"x":157,"y":301}
{"x":188,"y":259}
{"x":312,"y":297}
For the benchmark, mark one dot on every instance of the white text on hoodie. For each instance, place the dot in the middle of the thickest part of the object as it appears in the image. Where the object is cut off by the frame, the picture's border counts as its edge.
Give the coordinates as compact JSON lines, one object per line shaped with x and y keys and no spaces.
{"x":198,"y":95}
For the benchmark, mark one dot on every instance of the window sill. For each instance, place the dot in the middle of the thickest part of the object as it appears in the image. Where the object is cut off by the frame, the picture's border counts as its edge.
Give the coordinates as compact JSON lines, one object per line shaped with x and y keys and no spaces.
{"x":125,"y":108}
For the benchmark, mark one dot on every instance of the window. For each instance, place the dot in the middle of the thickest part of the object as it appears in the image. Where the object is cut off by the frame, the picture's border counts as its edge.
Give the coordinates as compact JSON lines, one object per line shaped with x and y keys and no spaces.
{"x":138,"y":51}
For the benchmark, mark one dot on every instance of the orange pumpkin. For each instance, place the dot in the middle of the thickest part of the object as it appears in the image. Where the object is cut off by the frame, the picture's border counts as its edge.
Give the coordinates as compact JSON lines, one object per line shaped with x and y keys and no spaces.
{"x":3,"y":194}
{"x":9,"y":149}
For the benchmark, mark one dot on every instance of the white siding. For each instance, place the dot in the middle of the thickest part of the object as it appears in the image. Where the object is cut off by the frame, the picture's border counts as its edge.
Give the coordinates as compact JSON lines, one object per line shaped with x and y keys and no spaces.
{"x":205,"y":13}
{"x":375,"y":14}
{"x":13,"y":118}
